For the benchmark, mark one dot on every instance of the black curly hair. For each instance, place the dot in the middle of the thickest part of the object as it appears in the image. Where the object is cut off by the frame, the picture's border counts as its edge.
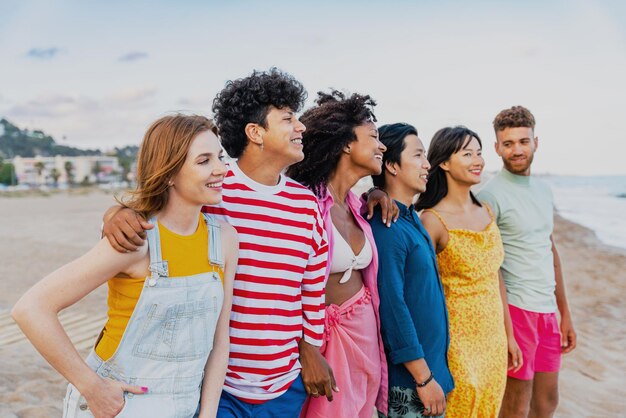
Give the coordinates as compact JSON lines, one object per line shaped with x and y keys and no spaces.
{"x":329,"y":128}
{"x":248,"y":100}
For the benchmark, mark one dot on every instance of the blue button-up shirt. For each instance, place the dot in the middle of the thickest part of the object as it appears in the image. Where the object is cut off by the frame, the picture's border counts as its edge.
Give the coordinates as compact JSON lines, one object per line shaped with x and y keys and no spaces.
{"x":413,"y":314}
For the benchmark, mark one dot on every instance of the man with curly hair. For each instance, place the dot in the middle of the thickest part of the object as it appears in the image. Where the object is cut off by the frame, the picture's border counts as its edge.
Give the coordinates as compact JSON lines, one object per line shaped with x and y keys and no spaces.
{"x":524,"y":210}
{"x":277,"y":318}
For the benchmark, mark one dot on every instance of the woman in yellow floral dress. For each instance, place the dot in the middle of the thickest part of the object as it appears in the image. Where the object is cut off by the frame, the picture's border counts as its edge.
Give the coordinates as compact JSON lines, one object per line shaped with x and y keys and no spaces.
{"x":469,"y":254}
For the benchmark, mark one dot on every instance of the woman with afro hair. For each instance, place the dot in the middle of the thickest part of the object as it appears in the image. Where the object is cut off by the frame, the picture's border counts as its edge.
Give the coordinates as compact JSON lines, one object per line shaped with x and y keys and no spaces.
{"x":341,"y":146}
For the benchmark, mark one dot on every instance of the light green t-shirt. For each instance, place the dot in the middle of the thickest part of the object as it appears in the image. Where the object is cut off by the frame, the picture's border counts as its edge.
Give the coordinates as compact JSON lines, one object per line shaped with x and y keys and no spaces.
{"x":524,"y":211}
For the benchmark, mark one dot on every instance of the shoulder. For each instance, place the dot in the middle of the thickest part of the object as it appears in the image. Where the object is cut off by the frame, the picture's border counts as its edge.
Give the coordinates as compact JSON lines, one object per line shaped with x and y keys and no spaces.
{"x":299,"y":192}
{"x":229,"y":233}
{"x":433,"y":224}
{"x":131,"y":263}
{"x":428,"y":218}
{"x":490,"y":188}
{"x":381,"y":230}
{"x":541,"y":184}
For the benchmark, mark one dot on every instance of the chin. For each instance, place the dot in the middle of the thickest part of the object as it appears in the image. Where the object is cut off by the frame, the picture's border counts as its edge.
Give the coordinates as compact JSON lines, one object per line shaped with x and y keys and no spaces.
{"x":517,"y":169}
{"x":213,"y":200}
{"x":375,"y":171}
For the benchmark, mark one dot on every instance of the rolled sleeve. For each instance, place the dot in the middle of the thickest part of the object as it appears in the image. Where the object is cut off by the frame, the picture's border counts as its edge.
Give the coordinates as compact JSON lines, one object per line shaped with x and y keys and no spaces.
{"x":398,"y":329}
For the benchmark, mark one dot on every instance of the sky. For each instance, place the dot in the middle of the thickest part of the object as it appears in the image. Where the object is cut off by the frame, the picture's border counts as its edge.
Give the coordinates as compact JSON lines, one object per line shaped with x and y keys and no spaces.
{"x":95,"y":74}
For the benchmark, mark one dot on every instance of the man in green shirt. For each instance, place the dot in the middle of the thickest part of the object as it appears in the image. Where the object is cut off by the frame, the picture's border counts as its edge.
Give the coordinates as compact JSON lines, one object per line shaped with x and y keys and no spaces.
{"x":524,"y":210}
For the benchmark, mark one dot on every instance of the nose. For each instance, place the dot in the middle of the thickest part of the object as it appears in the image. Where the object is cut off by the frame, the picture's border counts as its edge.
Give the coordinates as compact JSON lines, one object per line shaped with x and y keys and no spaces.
{"x":382,"y":146}
{"x":479,"y":160}
{"x":426,"y":164}
{"x":220,"y":168}
{"x":300,"y":127}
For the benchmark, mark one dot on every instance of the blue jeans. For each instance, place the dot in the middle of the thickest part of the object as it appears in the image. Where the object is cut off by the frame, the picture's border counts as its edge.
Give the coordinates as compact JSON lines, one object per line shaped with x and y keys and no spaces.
{"x":287,"y":405}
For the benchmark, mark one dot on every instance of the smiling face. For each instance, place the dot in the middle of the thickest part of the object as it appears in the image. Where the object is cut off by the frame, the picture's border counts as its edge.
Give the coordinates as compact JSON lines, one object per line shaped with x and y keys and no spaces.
{"x":412,"y":172}
{"x":516,"y":147}
{"x":466,"y":165}
{"x":366,"y":152}
{"x":200,"y":178}
{"x":282,"y":136}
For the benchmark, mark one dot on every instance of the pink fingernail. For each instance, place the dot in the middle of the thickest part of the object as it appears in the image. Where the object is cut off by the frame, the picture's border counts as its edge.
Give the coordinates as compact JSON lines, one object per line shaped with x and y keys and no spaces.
{"x":144,"y":389}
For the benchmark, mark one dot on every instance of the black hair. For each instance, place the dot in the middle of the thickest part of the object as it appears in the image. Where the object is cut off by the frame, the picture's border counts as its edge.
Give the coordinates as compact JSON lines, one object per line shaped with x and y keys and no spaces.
{"x":329,"y":128}
{"x":392,"y":136}
{"x":248,"y":100}
{"x":446,"y":142}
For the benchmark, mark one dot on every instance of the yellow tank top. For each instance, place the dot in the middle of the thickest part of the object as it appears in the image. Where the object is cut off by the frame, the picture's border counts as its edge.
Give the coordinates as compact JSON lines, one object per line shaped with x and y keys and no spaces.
{"x":186,"y":256}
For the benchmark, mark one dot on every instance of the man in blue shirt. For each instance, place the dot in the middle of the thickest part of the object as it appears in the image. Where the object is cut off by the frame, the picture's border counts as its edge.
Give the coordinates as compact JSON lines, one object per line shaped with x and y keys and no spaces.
{"x":414,"y":319}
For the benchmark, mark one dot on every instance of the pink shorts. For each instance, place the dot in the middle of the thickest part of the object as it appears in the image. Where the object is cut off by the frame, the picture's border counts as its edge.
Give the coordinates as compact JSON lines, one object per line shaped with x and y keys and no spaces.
{"x":539,"y":338}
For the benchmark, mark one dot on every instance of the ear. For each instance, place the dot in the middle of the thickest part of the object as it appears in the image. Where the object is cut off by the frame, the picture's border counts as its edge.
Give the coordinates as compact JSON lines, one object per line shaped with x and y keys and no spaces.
{"x":254,"y":132}
{"x":445,"y":166}
{"x":392,"y":168}
{"x":536,"y":141}
{"x":497,"y":148}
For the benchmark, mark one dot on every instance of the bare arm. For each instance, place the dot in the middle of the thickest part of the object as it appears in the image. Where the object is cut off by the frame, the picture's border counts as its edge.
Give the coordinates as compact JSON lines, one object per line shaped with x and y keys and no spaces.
{"x":568,"y":334}
{"x":516,"y":360}
{"x":436,"y":230}
{"x":37,"y":315}
{"x":431,"y":394}
{"x":215,"y":369}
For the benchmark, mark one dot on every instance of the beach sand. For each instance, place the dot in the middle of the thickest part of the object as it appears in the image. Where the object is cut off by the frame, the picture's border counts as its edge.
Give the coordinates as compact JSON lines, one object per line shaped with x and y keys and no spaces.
{"x":39,"y":234}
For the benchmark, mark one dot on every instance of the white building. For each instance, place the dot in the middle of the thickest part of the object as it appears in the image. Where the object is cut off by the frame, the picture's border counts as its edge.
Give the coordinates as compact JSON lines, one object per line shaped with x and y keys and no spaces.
{"x":29,"y":171}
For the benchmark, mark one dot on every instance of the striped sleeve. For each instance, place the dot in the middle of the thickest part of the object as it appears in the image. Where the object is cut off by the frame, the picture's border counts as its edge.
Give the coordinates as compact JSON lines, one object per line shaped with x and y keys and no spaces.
{"x":314,"y":283}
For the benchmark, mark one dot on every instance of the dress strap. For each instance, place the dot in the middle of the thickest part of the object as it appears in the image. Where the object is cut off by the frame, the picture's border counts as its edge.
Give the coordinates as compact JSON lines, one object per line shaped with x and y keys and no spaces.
{"x":215,"y":240}
{"x":434,"y":212}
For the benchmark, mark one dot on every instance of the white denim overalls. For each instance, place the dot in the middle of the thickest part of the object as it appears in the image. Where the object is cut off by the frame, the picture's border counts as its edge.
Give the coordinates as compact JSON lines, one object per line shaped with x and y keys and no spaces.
{"x":167,"y":341}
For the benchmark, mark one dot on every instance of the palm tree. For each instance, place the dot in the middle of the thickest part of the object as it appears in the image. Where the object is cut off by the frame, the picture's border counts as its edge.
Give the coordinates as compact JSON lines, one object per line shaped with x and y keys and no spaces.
{"x":39,"y":166}
{"x":54,"y":173}
{"x":69,"y":167}
{"x":97,"y":168}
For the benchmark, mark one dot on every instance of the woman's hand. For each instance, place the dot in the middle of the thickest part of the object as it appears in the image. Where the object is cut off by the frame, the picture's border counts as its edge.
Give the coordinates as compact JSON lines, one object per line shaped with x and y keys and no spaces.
{"x":106,"y":397}
{"x":389,"y":209}
{"x":516,"y":360}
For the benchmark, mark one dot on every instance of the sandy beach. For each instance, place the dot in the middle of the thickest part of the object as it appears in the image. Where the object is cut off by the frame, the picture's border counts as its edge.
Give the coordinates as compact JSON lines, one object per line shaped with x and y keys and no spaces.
{"x":40,"y":234}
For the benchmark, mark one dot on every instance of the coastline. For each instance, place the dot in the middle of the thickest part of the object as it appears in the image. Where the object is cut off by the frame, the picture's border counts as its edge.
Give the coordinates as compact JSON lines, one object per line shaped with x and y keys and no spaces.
{"x":42,"y":233}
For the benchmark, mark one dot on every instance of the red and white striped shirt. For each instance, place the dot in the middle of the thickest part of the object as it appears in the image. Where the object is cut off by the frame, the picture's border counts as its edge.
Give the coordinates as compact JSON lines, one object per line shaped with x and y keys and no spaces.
{"x":278,"y":294}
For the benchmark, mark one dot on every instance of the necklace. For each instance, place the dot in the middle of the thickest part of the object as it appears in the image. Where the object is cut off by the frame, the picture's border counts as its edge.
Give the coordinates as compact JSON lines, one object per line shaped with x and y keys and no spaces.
{"x":336,"y":200}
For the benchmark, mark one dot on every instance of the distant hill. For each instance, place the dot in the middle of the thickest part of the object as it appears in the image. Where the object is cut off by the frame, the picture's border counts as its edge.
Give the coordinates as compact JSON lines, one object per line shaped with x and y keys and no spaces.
{"x":25,"y":143}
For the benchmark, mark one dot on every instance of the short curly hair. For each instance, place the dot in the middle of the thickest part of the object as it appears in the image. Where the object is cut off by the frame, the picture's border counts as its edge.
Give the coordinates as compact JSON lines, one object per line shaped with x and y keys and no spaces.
{"x":248,"y":100}
{"x":329,"y":128}
{"x":515,"y":117}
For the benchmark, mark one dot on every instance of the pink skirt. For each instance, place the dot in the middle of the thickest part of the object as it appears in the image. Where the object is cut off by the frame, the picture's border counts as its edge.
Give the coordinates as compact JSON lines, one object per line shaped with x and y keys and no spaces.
{"x":351,"y":349}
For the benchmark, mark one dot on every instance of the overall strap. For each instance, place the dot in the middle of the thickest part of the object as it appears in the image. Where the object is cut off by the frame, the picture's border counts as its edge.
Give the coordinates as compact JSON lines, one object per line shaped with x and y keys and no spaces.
{"x":434,"y":212}
{"x":215,"y":240}
{"x":158,"y":267}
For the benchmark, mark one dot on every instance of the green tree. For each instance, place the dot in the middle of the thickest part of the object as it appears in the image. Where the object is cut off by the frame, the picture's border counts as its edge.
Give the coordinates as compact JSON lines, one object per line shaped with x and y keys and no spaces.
{"x":54,"y":173}
{"x":7,"y":174}
{"x":40,"y":166}
{"x":97,"y":168}
{"x":69,"y":172}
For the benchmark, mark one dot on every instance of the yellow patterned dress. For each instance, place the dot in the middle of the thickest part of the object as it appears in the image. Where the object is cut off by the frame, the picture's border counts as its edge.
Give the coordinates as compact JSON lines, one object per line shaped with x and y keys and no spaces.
{"x":478,"y":353}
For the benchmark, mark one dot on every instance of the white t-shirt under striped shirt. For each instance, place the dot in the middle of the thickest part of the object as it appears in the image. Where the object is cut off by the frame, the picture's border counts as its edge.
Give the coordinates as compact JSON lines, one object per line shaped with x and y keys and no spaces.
{"x":278,"y":294}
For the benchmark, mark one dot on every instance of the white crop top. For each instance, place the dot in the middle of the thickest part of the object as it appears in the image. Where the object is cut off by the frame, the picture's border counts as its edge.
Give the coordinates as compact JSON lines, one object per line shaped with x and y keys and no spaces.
{"x":344,"y":260}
